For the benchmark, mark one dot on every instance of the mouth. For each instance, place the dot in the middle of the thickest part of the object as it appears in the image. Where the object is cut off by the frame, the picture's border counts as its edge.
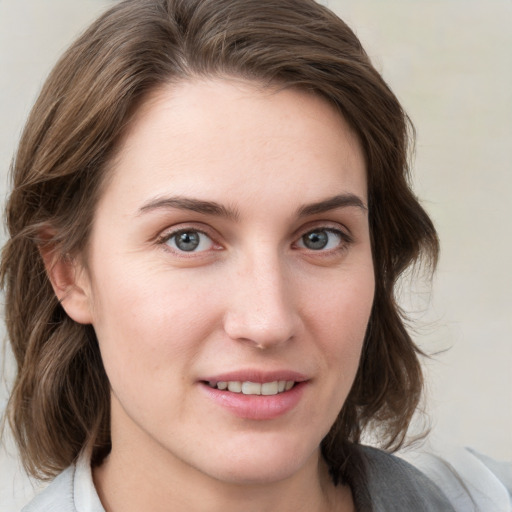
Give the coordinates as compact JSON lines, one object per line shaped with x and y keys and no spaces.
{"x":275,"y":387}
{"x":256,"y":395}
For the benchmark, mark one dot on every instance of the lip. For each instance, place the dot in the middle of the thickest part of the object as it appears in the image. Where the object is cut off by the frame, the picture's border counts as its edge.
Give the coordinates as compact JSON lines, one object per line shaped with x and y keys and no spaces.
{"x":256,"y":376}
{"x":256,"y":407}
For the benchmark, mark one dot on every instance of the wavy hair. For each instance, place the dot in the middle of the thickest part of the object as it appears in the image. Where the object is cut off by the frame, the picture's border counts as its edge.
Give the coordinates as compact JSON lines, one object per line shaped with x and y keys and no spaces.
{"x":60,"y":398}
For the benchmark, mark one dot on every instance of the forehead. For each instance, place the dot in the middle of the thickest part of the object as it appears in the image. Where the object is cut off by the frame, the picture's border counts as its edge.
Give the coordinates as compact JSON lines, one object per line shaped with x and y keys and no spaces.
{"x":217,"y":137}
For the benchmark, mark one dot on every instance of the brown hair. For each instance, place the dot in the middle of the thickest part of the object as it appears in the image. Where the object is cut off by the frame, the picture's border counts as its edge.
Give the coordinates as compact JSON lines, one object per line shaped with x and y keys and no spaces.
{"x":60,"y":399}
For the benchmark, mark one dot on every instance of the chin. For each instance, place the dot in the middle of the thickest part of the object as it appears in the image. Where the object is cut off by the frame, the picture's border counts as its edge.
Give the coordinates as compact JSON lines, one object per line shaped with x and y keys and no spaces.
{"x":257,"y":474}
{"x":263,"y":463}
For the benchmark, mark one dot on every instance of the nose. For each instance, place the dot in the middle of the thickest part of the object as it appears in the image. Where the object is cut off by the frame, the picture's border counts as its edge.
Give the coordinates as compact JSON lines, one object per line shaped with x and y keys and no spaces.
{"x":262,"y":308}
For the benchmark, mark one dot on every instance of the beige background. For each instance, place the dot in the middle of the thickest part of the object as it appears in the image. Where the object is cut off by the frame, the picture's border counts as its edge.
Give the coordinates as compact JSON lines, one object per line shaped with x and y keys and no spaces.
{"x":450,"y":63}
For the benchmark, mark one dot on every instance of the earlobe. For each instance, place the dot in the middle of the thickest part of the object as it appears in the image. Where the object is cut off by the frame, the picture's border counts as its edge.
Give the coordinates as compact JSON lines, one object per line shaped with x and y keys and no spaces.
{"x":70,"y":283}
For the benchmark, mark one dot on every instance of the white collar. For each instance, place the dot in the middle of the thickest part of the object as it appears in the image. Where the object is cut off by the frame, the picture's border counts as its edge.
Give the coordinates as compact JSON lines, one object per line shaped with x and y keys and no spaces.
{"x":85,"y":497}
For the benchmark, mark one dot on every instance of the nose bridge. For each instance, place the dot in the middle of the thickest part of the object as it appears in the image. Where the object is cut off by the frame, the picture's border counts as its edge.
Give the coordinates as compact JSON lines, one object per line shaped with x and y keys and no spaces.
{"x":261,"y":308}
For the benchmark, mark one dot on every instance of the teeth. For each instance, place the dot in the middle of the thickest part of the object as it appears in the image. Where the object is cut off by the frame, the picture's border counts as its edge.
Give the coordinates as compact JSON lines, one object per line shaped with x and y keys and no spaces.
{"x":254,"y":388}
{"x":251,"y":388}
{"x":235,"y":387}
{"x":269,"y":388}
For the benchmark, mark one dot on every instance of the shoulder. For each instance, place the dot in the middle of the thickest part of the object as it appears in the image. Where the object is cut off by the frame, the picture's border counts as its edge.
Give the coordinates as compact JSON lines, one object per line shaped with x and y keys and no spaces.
{"x":72,"y":491}
{"x":57,"y":497}
{"x":391,"y":483}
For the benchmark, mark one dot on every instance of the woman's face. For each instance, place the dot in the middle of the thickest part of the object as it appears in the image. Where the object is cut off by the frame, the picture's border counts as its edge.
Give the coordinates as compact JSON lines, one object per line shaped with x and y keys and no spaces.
{"x":231,"y":249}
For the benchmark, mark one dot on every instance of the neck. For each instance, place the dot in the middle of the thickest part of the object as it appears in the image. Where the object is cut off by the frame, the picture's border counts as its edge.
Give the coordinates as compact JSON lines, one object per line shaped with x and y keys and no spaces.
{"x":131,"y":482}
{"x":142,"y":474}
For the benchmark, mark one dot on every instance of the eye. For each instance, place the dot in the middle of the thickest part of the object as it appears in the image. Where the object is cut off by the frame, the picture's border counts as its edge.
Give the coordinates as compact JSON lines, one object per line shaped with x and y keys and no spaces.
{"x":189,"y":240}
{"x":321,"y":239}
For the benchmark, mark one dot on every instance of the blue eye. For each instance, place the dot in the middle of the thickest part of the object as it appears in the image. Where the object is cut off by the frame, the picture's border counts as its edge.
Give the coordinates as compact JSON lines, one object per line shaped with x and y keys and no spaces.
{"x":321,"y":240}
{"x":189,"y":240}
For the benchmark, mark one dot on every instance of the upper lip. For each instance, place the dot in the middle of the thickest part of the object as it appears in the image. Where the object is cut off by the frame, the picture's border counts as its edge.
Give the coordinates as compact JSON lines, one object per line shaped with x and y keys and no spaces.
{"x":256,"y":376}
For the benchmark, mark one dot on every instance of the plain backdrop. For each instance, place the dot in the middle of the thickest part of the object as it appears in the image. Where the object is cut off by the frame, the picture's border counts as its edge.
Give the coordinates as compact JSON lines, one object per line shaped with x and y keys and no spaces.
{"x":450,"y":64}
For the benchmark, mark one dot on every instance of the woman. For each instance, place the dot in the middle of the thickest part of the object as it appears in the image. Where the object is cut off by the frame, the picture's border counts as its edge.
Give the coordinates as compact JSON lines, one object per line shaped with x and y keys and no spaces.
{"x":210,"y":210}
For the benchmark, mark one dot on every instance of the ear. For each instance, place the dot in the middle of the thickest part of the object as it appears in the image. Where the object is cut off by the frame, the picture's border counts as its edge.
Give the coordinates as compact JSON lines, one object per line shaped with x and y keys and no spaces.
{"x":70,"y":282}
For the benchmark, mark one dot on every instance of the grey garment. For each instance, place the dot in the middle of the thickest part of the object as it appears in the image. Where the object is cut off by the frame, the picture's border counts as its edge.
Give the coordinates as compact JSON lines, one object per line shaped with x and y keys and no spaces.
{"x":392,"y":484}
{"x":386,"y":484}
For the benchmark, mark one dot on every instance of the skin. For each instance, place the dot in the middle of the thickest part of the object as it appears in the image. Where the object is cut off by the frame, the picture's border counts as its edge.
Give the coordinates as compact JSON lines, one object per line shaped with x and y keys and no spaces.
{"x":253,"y":296}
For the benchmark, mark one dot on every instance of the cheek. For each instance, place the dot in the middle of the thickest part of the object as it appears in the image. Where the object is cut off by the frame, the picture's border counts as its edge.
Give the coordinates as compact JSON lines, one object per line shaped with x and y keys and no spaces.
{"x":345,"y":298}
{"x":338,"y":324}
{"x":341,"y":318}
{"x":144,"y":320}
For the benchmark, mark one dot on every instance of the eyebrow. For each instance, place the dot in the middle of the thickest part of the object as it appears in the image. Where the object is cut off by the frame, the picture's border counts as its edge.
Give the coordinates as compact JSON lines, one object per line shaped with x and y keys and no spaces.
{"x":332,"y":203}
{"x":218,"y":210}
{"x":191,"y":204}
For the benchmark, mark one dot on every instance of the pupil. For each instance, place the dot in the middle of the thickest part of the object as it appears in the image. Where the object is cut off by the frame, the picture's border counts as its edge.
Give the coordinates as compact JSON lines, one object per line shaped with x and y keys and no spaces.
{"x":316,"y":240}
{"x":187,"y":241}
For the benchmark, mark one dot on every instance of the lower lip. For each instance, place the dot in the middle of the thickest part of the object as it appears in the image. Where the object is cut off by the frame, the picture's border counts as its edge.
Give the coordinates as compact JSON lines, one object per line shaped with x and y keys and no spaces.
{"x":257,"y":407}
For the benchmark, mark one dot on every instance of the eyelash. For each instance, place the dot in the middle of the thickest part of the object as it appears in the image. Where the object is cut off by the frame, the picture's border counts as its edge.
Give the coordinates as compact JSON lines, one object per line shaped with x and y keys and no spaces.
{"x":168,"y":236}
{"x":344,"y":241}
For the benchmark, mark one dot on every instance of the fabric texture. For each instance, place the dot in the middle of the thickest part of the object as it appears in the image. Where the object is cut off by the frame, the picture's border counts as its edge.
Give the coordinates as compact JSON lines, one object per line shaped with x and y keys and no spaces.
{"x":389,"y":483}
{"x":386,"y":484}
{"x":72,"y":491}
{"x":471,"y":481}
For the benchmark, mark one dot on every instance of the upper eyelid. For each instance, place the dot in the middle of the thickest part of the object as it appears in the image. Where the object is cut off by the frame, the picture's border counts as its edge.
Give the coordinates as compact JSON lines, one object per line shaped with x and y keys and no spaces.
{"x":174,"y":230}
{"x":332,"y":226}
{"x":345,"y":237}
